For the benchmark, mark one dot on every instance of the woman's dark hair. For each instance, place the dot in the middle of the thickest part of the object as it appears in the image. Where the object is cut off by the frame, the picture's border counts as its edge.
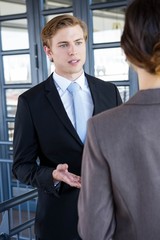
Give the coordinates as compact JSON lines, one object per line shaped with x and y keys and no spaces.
{"x":141,"y":36}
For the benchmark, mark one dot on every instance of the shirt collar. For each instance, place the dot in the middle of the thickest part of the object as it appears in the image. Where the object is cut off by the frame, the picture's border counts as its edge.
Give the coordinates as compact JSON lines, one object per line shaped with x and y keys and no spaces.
{"x":63,"y":83}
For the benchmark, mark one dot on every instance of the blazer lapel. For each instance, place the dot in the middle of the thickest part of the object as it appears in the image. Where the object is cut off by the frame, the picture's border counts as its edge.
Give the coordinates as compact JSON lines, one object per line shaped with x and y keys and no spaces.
{"x":57,"y":105}
{"x":95,"y":94}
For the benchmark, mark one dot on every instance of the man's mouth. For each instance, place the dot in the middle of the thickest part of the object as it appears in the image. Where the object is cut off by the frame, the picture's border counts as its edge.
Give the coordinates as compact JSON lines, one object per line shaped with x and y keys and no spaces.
{"x":73,"y":61}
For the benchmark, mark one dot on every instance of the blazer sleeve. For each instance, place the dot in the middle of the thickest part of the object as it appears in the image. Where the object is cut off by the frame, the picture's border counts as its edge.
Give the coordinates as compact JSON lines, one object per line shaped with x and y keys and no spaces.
{"x":95,"y":204}
{"x":26,"y":167}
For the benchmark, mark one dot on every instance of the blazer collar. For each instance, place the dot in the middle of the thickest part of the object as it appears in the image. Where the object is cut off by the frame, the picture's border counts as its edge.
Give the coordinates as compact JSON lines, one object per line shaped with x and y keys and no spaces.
{"x":146,"y":97}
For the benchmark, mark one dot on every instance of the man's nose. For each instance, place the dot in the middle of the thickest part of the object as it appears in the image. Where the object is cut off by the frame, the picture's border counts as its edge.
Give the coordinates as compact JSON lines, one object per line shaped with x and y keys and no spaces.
{"x":72,"y":50}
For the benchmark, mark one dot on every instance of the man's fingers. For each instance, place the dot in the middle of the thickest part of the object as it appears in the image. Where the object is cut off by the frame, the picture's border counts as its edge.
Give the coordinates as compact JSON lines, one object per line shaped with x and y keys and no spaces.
{"x":62,"y":167}
{"x":61,"y":174}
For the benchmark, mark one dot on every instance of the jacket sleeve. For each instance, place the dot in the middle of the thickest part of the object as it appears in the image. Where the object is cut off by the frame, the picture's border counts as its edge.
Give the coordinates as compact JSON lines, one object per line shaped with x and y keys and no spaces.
{"x":26,"y":167}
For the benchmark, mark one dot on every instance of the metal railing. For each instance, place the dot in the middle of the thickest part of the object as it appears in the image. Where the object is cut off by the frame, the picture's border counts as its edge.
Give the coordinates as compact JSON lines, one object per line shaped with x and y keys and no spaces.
{"x":18,"y":201}
{"x":6,"y":210}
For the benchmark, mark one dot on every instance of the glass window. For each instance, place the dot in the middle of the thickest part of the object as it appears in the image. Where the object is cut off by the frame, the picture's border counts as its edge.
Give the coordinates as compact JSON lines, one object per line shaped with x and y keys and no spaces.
{"x":104,"y":1}
{"x":49,"y":4}
{"x":48,"y":18}
{"x":108,"y":25}
{"x":11,"y":100}
{"x":110,"y":64}
{"x":14,"y":35}
{"x":10,"y":131}
{"x":17,"y":69}
{"x":12,"y":7}
{"x":50,"y":66}
{"x":124,"y":92}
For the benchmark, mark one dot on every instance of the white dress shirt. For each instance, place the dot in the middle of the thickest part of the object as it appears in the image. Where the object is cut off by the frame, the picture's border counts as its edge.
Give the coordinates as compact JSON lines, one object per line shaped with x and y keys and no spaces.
{"x":62,"y":85}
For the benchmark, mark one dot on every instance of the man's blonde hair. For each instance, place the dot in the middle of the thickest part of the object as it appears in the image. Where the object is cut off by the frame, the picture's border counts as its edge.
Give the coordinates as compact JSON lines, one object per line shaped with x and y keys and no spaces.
{"x":60,"y":22}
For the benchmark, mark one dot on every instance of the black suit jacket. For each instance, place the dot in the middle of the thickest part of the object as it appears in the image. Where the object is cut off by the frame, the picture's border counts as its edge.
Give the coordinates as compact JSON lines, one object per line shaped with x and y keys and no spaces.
{"x":43,"y":130}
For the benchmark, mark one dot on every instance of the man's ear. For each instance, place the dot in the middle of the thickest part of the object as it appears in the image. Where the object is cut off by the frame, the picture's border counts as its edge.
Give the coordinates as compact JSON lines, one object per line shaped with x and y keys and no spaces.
{"x":48,"y":53}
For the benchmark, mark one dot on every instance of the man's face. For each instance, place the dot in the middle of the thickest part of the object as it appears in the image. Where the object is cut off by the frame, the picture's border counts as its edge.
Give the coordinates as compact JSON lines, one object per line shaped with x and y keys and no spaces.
{"x":68,"y":51}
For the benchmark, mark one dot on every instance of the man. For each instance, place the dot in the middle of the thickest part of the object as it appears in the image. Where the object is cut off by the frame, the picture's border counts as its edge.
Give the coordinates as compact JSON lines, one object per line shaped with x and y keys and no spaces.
{"x":120,"y":194}
{"x":45,"y":129}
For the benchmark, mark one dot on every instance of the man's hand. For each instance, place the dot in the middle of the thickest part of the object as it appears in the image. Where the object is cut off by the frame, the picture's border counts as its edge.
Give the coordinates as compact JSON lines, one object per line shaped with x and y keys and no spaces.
{"x":61,"y":174}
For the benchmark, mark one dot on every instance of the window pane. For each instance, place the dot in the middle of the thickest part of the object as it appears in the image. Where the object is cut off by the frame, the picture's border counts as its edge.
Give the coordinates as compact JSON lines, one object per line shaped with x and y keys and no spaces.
{"x":108,"y":25}
{"x":10,"y":131}
{"x":7,"y":7}
{"x":48,"y":18}
{"x":110,"y":64}
{"x":104,"y":1}
{"x":124,"y":92}
{"x":50,"y":66}
{"x":14,"y":34}
{"x":17,"y":69}
{"x":49,"y":4}
{"x":11,"y":100}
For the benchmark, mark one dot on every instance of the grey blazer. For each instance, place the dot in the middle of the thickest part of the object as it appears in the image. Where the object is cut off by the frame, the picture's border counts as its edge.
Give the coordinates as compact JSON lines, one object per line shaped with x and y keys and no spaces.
{"x":120,"y":194}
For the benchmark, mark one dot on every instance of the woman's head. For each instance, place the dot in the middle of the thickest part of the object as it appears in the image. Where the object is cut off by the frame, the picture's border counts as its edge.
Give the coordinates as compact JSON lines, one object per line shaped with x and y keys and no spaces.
{"x":60,"y":22}
{"x":141,"y":36}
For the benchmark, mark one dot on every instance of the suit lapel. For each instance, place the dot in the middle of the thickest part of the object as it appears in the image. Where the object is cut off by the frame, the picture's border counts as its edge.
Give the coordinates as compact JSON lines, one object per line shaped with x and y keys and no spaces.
{"x":94,"y":94}
{"x":57,"y":105}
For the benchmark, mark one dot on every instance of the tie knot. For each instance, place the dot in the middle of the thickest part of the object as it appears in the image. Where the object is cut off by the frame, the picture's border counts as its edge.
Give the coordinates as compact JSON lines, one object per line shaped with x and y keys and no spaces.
{"x":73,"y":87}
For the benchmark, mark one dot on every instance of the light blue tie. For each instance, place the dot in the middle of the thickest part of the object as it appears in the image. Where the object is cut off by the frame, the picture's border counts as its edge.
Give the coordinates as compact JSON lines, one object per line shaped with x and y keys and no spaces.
{"x":80,"y":122}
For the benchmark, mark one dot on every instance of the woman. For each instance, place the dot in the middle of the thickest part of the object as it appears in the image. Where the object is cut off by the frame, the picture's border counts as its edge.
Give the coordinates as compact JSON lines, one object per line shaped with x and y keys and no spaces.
{"x":122,"y":153}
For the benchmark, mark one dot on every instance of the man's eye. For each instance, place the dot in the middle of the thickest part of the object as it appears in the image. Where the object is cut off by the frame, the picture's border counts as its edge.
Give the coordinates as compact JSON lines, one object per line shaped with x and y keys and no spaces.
{"x":63,"y":45}
{"x":78,"y":43}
